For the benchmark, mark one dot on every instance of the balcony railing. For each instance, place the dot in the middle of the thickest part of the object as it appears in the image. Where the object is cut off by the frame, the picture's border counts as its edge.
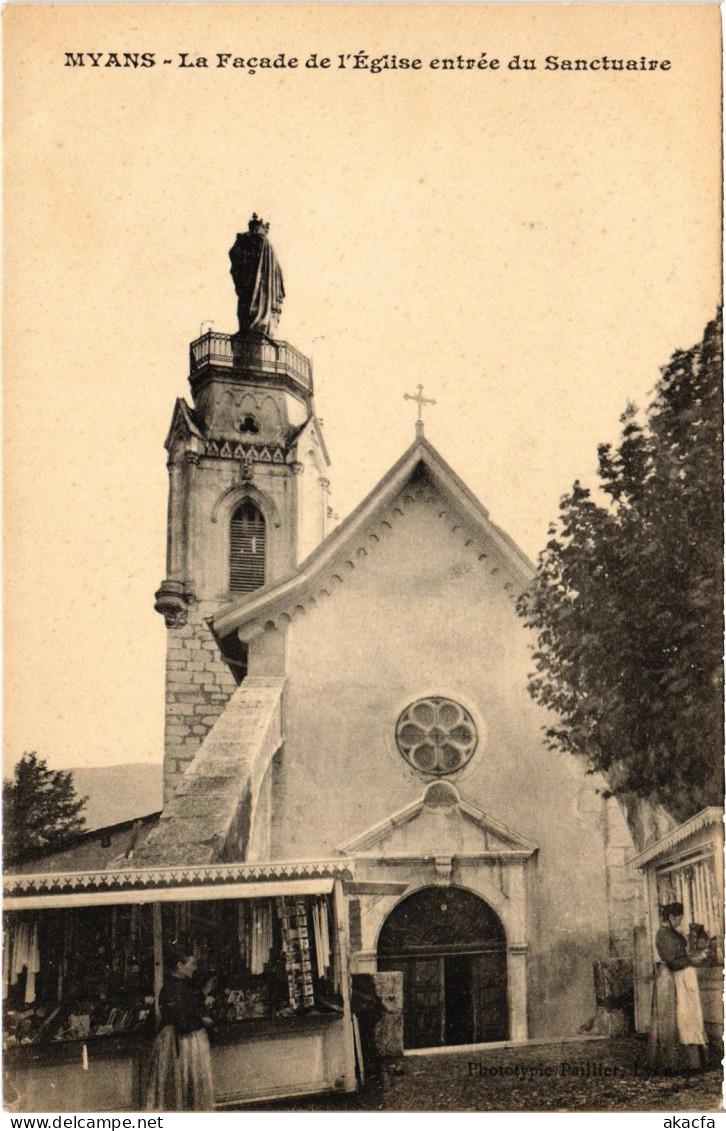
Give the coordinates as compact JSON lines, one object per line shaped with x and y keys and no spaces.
{"x":259,"y":354}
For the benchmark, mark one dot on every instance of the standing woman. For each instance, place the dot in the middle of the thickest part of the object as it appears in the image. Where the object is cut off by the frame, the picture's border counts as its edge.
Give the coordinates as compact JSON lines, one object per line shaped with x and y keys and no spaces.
{"x":677,"y":1034}
{"x":181,"y":1064}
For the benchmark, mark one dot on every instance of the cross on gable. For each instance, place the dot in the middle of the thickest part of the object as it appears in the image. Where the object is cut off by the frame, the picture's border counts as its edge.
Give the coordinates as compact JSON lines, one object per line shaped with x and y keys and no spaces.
{"x":420,"y":400}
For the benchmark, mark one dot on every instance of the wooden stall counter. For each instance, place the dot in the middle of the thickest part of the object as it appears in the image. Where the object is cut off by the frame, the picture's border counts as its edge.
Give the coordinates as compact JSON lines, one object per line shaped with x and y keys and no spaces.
{"x":266,"y":1060}
{"x":97,"y":1074}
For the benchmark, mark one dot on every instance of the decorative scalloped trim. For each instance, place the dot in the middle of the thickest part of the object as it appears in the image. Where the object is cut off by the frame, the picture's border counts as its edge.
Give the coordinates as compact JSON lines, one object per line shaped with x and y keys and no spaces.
{"x":229,"y":449}
{"x":707,"y":818}
{"x":373,"y":539}
{"x":176,"y":876}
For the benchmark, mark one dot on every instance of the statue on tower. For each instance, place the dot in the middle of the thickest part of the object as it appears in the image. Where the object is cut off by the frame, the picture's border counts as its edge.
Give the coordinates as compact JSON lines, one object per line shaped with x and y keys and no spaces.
{"x":257,"y":279}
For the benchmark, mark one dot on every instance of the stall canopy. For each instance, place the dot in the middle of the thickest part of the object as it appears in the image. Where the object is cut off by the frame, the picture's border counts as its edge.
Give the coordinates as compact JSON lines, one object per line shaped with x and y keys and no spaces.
{"x":154,"y":885}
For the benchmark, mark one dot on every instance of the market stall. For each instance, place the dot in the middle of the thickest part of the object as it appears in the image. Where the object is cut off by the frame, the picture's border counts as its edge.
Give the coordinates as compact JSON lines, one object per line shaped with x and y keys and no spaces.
{"x":686,"y":866}
{"x":84,"y":961}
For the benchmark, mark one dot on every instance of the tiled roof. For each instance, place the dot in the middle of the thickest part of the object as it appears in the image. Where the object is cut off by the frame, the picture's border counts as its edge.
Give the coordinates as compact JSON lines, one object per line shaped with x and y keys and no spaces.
{"x":91,"y":851}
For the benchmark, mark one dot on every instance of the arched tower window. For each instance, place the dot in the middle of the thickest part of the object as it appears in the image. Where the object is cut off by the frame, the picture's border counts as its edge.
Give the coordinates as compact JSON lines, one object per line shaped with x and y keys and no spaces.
{"x":246,"y":548}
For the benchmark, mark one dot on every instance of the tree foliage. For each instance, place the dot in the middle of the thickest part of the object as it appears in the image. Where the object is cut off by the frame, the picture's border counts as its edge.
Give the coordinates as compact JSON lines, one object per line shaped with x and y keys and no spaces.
{"x":40,"y":809}
{"x":627,"y":598}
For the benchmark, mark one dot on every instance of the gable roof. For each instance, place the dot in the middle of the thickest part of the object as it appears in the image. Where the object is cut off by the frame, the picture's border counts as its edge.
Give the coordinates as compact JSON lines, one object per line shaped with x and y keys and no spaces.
{"x":310,"y":426}
{"x":420,"y":457}
{"x":207,"y":818}
{"x":184,"y":419}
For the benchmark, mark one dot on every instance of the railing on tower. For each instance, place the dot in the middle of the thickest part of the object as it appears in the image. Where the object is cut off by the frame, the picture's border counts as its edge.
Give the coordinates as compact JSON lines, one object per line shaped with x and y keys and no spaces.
{"x":266,"y":356}
{"x":211,"y":348}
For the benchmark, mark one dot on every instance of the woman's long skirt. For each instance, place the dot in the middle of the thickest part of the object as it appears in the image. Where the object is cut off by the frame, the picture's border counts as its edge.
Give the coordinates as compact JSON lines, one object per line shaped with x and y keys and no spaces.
{"x":181,"y":1073}
{"x":676,"y":1027}
{"x":689,"y":1015}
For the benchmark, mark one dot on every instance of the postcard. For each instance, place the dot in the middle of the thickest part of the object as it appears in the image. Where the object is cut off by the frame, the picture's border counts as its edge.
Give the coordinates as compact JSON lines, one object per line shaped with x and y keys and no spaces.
{"x":363,"y":558}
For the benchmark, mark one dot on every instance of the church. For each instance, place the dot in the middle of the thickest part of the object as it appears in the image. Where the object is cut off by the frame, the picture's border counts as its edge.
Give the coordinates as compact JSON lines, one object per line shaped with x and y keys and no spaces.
{"x":358,"y":693}
{"x":365,"y":840}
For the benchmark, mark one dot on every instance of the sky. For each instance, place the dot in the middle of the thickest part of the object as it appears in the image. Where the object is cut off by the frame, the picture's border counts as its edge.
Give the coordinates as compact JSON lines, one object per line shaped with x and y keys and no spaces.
{"x":530,"y":246}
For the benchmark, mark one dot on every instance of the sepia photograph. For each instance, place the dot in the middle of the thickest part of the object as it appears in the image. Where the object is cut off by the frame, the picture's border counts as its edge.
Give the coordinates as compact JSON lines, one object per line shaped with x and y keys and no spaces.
{"x":363,"y":559}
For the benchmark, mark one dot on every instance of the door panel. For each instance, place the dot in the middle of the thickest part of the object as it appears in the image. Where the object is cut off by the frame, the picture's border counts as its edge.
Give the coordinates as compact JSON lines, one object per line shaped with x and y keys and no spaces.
{"x":423,"y":1003}
{"x":458,"y":999}
{"x":491,"y":1013}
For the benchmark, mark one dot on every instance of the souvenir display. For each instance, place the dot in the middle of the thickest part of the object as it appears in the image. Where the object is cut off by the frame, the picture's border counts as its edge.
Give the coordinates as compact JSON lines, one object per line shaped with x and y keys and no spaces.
{"x":296,"y":948}
{"x":88,"y":973}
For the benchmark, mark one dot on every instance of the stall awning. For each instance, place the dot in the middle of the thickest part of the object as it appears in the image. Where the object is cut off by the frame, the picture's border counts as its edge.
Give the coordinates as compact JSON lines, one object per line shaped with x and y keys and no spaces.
{"x":707,"y":818}
{"x":170,"y":895}
{"x":169,"y":885}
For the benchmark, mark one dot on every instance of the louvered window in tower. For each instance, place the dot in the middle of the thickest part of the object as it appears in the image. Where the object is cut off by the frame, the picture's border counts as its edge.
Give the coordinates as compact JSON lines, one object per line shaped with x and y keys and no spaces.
{"x":246,"y":549}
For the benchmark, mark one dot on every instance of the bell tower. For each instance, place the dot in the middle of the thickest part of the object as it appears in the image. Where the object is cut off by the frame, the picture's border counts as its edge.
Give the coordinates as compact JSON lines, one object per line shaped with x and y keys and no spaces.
{"x":248,"y":493}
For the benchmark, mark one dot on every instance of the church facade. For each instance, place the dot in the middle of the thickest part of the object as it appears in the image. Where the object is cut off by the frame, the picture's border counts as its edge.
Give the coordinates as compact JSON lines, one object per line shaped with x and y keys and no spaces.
{"x":359,"y":693}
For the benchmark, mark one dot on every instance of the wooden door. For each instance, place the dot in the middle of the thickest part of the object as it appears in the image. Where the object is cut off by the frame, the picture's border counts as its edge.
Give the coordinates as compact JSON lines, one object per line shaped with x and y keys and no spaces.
{"x":489,"y":993}
{"x":458,"y":999}
{"x":451,"y":948}
{"x":423,"y":1018}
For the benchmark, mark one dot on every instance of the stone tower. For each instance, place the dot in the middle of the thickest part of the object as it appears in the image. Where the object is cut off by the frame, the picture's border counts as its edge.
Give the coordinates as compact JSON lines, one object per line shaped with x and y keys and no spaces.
{"x":248,"y":494}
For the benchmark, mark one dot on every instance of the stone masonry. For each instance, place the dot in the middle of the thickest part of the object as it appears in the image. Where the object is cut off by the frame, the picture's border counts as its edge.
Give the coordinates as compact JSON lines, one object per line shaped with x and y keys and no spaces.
{"x":198,"y":686}
{"x":208,"y":818}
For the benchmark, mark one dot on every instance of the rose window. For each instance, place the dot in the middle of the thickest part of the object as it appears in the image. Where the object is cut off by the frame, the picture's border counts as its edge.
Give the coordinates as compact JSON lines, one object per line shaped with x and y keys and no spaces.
{"x":436,"y":736}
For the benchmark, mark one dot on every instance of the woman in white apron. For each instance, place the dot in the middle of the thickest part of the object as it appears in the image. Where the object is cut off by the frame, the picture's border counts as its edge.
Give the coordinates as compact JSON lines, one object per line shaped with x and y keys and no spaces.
{"x":677,"y":1039}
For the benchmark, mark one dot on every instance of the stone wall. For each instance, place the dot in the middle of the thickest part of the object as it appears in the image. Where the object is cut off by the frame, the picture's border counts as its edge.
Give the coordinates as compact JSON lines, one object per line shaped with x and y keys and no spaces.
{"x":378,"y":1005}
{"x":198,"y":686}
{"x":209,"y":817}
{"x":625,"y":897}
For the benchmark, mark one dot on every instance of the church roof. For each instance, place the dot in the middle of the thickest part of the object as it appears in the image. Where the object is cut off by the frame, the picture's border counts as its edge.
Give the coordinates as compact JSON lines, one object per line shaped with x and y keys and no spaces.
{"x":310,"y":426}
{"x":185,"y":419}
{"x":207,"y":818}
{"x":420,"y":458}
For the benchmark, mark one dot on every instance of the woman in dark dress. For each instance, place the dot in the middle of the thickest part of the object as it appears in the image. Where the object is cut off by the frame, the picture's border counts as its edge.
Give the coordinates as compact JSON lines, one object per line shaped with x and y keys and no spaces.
{"x":677,"y":1034}
{"x":181,"y":1064}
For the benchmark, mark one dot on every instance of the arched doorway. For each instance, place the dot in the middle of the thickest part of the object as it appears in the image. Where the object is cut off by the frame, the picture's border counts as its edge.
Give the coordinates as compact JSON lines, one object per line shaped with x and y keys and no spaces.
{"x":451,"y":949}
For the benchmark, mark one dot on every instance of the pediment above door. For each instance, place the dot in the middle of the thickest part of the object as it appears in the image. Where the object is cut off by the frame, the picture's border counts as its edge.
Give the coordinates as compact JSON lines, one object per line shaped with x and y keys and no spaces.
{"x":440,"y":823}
